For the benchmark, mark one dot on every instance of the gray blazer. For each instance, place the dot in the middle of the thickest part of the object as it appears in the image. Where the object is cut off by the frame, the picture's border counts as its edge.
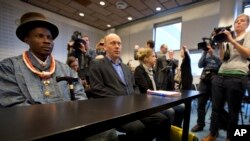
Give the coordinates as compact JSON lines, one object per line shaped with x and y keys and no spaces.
{"x":105,"y":82}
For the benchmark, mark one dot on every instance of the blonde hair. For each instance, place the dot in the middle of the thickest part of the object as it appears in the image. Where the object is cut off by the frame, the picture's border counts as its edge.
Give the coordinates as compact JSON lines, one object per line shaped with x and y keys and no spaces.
{"x":144,"y":53}
{"x":245,"y":15}
{"x":101,"y":42}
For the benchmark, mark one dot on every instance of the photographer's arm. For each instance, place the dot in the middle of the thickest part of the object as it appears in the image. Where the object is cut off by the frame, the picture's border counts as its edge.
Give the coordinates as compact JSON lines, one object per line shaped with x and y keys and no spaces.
{"x":202,"y":62}
{"x":244,"y":51}
{"x":213,"y":56}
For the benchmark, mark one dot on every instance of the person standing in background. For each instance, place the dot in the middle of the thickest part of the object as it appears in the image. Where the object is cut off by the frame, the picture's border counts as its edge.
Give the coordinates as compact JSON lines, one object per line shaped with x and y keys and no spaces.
{"x":210,"y":62}
{"x":231,"y":82}
{"x":163,"y":51}
{"x":186,"y":71}
{"x":162,"y":68}
{"x":100,"y":51}
{"x":149,"y":44}
{"x":90,"y":51}
{"x":165,"y":69}
{"x":174,"y":63}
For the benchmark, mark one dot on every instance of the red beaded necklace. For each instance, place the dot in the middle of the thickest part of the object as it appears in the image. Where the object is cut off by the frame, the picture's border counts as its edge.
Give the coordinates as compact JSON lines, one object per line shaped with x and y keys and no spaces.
{"x":43,"y":74}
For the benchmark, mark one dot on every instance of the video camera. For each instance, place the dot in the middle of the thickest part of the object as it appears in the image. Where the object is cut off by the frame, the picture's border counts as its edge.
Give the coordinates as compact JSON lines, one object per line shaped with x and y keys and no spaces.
{"x":215,"y":38}
{"x":77,"y":38}
{"x":203,"y":45}
{"x":221,"y":37}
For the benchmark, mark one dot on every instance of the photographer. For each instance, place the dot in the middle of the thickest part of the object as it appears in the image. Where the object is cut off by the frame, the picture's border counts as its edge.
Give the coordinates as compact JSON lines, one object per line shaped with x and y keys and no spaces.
{"x":210,"y":63}
{"x":230,"y":83}
{"x":100,"y":51}
{"x":79,"y":50}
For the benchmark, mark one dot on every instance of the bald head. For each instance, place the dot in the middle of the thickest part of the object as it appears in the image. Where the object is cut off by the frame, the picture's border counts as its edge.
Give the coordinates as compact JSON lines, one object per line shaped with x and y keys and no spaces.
{"x":112,"y":45}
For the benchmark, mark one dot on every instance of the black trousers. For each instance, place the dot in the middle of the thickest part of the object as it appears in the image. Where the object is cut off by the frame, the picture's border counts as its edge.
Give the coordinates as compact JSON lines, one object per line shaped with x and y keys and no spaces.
{"x":206,"y":87}
{"x":228,"y":89}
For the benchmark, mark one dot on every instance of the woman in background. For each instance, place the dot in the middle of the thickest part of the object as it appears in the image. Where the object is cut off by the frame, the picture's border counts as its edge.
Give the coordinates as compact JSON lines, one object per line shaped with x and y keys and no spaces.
{"x":145,"y":79}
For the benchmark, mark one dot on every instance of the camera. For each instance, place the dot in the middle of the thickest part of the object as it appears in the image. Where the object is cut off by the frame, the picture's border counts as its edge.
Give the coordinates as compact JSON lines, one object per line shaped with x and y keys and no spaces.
{"x":76,"y":35}
{"x":221,"y":37}
{"x":206,"y":41}
{"x":77,"y":38}
{"x":215,"y":38}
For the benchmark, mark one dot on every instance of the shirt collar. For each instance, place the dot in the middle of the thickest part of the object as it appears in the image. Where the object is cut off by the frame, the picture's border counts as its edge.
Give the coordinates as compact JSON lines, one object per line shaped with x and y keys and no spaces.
{"x":117,"y":62}
{"x":42,"y":63}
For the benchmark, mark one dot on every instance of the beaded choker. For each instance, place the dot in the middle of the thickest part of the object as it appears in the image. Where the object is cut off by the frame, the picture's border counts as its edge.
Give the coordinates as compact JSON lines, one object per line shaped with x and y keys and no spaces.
{"x":43,"y":74}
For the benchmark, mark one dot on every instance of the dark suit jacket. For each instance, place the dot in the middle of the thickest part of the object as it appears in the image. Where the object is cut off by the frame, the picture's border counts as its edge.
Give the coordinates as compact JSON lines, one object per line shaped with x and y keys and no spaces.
{"x":142,"y":79}
{"x":165,"y":71}
{"x":105,"y":82}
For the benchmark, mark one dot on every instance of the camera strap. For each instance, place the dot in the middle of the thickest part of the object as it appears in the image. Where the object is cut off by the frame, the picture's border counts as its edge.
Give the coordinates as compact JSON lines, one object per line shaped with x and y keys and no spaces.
{"x":226,"y":53}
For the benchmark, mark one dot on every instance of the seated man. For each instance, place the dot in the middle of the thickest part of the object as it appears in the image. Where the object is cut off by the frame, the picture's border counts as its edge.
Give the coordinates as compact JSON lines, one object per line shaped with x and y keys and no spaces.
{"x":109,"y":77}
{"x":30,"y":78}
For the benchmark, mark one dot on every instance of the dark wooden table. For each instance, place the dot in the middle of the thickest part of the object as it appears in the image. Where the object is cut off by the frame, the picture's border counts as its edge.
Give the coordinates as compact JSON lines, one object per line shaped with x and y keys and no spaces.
{"x":79,"y":119}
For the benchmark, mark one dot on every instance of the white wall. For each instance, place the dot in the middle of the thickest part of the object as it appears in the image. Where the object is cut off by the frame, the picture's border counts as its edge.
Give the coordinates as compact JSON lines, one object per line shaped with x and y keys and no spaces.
{"x":10,"y":45}
{"x":197,"y":21}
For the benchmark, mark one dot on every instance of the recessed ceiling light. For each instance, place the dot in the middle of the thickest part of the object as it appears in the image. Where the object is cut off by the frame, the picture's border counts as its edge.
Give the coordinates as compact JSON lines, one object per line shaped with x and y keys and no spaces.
{"x":158,"y":8}
{"x":81,"y":14}
{"x":108,"y":25}
{"x":102,"y":3}
{"x":130,"y":18}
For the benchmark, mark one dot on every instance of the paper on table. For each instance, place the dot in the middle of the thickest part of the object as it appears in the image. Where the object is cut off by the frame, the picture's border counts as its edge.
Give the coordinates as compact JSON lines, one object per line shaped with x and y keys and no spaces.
{"x":163,"y":93}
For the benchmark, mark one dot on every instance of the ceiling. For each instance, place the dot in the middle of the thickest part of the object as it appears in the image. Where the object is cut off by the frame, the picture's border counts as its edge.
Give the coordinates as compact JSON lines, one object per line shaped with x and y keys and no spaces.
{"x":111,"y":13}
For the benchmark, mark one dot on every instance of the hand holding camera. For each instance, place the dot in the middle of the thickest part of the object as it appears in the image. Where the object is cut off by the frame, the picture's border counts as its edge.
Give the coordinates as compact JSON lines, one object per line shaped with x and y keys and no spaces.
{"x":219,"y":35}
{"x":222,"y":34}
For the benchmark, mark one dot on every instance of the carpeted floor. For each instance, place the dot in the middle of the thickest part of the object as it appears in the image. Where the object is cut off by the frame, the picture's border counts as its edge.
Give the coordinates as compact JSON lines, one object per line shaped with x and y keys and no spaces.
{"x":222,"y":133}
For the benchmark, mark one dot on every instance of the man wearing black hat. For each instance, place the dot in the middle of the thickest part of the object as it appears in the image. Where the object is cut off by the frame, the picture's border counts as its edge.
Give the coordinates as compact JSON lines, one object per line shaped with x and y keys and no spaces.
{"x":30,"y":78}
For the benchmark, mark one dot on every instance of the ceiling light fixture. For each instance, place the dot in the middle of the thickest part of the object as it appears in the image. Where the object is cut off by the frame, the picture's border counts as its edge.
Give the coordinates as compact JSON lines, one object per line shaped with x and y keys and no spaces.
{"x":130,"y":18}
{"x":158,"y":8}
{"x":108,"y":25}
{"x":81,"y":14}
{"x":102,"y":3}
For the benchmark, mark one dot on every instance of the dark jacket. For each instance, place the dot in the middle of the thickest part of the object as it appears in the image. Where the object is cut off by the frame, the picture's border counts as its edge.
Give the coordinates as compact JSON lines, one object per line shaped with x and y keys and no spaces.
{"x":186,"y":73}
{"x":142,"y":79}
{"x":165,"y":71}
{"x":105,"y":82}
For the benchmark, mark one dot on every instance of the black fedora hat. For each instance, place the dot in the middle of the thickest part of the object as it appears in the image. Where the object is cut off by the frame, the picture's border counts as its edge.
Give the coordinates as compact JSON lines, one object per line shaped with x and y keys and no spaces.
{"x":33,"y":20}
